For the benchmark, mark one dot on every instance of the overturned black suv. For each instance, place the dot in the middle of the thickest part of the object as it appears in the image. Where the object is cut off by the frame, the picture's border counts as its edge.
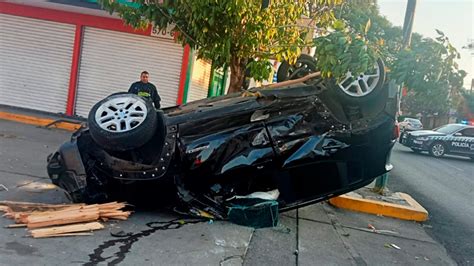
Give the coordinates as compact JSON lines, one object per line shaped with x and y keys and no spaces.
{"x":308,"y":141}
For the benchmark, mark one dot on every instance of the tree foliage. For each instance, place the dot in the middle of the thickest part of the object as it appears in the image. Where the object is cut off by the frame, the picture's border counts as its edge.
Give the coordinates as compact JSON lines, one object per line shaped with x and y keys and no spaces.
{"x":350,"y":35}
{"x":229,"y":32}
{"x":428,"y":68}
{"x":343,"y":50}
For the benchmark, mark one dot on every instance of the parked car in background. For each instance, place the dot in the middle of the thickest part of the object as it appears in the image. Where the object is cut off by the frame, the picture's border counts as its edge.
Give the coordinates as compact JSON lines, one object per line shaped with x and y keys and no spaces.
{"x":410,"y":124}
{"x":456,"y":139}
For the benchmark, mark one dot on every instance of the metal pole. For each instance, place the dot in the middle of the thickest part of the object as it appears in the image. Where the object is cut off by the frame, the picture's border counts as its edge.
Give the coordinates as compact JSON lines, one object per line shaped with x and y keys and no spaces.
{"x":408,"y":23}
{"x":472,"y":86}
{"x":381,"y":181}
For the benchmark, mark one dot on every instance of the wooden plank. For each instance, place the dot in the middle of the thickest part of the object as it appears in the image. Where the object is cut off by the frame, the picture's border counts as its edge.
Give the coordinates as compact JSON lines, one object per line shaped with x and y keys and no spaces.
{"x":20,"y":217}
{"x":5,"y":209}
{"x":42,"y":217}
{"x":293,"y":81}
{"x":9,"y":215}
{"x":112,"y":208}
{"x":65,"y":209}
{"x":112,"y":204}
{"x":113,"y":216}
{"x":117,"y":217}
{"x":84,"y":227}
{"x":68,"y":228}
{"x":15,"y":225}
{"x":108,"y":204}
{"x":123,"y":218}
{"x":85,"y":217}
{"x":70,"y":216}
{"x":67,"y":234}
{"x":119,"y":213}
{"x":36,"y":217}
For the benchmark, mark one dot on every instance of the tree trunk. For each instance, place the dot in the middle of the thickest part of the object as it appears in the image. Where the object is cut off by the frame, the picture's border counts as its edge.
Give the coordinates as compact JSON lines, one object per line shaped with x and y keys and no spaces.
{"x":237,"y":73}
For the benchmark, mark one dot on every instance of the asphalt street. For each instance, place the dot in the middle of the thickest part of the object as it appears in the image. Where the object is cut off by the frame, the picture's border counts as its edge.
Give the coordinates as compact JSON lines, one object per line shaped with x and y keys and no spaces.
{"x":445,"y":187}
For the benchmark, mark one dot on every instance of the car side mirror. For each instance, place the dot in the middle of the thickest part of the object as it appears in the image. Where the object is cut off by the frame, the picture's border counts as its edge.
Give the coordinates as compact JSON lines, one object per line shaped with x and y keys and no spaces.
{"x":457,"y":134}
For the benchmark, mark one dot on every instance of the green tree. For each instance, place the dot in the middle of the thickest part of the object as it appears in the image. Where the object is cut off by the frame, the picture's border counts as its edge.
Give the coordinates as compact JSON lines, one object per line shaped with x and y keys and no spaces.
{"x":428,"y":68}
{"x":465,"y":104}
{"x":230,"y":32}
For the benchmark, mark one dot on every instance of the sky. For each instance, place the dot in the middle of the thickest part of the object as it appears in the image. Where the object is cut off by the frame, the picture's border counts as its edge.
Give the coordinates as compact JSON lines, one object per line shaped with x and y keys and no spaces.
{"x":453,"y":17}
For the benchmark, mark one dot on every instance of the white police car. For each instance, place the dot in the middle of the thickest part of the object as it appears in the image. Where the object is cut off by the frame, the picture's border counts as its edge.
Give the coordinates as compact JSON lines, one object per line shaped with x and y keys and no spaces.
{"x":456,"y":139}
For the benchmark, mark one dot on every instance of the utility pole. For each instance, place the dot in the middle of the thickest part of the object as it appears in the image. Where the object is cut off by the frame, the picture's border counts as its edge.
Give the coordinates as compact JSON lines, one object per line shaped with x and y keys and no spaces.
{"x":472,"y":86}
{"x":408,"y":23}
{"x":381,"y":181}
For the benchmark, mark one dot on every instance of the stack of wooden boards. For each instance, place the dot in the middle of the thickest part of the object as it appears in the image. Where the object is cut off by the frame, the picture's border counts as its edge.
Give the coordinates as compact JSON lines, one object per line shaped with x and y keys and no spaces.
{"x":49,"y":220}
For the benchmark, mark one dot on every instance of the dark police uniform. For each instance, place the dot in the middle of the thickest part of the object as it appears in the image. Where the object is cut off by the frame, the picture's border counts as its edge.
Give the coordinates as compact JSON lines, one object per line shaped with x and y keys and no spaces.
{"x":146,"y":90}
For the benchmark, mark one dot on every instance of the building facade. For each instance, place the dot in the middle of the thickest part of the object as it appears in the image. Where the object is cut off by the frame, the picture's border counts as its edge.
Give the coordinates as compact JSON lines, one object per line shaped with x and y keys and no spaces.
{"x":62,"y":58}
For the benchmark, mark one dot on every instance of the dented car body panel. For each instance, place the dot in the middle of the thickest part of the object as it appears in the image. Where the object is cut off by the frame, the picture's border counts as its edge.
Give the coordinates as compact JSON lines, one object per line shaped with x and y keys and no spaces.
{"x":288,"y":139}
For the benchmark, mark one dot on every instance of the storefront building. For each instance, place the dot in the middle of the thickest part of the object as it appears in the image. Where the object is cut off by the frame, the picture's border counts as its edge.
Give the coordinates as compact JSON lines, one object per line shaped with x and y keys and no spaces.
{"x":59,"y":58}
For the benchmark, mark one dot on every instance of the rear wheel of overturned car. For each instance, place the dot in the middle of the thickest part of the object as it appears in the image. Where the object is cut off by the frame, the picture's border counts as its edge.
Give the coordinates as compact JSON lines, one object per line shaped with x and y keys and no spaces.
{"x":122,"y":121}
{"x":305,"y":64}
{"x":437,"y":149}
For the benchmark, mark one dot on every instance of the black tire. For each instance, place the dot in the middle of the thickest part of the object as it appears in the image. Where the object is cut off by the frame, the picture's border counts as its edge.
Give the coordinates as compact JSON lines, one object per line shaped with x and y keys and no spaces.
{"x":360,"y":100}
{"x":354,"y":107}
{"x":305,"y":64}
{"x":122,"y":141}
{"x":361,"y":107}
{"x":437,"y":149}
{"x":401,"y":137}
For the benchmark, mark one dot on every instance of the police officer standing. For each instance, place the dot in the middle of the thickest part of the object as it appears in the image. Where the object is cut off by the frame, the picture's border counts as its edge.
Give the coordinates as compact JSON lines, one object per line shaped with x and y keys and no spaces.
{"x":145,"y":89}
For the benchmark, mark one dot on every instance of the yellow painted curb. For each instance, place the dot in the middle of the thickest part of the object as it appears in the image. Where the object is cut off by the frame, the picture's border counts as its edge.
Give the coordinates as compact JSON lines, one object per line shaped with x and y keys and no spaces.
{"x":31,"y":120}
{"x":414,"y":212}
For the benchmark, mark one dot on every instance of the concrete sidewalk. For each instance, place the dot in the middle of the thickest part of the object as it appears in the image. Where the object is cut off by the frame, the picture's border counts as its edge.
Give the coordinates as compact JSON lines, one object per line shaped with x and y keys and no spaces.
{"x":41,"y":119}
{"x":315,"y":235}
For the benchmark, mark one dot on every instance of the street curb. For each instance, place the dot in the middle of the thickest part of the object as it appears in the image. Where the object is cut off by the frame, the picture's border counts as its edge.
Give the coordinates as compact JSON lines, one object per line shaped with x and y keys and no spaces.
{"x":413,"y":212}
{"x":37,"y":121}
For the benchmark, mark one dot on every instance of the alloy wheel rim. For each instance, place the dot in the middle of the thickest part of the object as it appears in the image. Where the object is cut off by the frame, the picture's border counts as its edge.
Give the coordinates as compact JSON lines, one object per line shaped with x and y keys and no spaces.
{"x":121,"y":114}
{"x":361,"y":85}
{"x":438,"y":150}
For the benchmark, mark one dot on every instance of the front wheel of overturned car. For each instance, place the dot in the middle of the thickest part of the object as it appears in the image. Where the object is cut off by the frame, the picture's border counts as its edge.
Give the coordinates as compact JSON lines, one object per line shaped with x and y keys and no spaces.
{"x":437,"y":149}
{"x":362,"y":88}
{"x":122,"y":121}
{"x":359,"y":96}
{"x":353,"y":88}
